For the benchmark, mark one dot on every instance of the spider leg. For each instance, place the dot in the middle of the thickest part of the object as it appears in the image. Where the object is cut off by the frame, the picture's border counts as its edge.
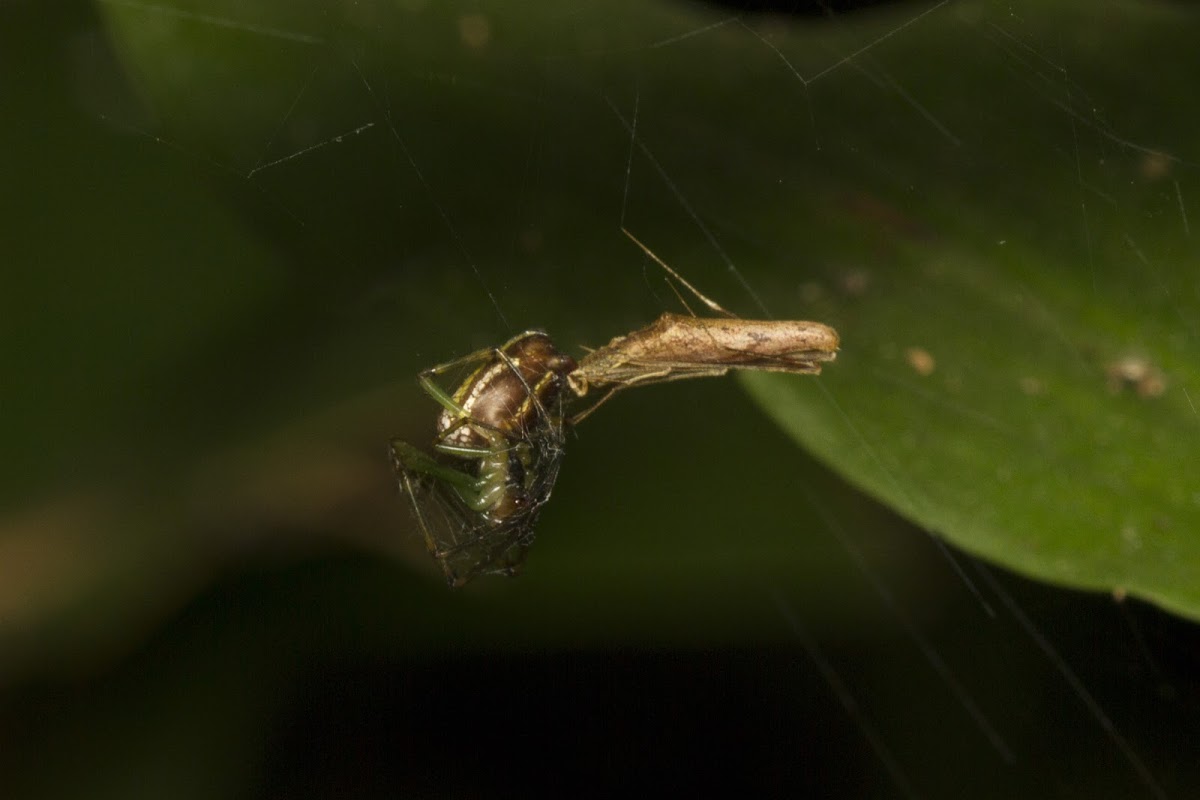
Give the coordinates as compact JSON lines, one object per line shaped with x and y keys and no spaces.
{"x":582,"y":415}
{"x":431,"y":387}
{"x":409,"y":462}
{"x":408,"y":459}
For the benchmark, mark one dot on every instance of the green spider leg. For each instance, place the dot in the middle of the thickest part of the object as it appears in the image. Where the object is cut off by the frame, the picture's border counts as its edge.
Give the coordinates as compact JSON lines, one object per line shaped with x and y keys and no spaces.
{"x":411,"y":464}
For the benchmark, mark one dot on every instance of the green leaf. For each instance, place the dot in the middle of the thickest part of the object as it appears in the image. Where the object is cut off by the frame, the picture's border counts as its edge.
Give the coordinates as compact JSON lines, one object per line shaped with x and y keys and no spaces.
{"x":1001,"y":420}
{"x":1019,"y":371}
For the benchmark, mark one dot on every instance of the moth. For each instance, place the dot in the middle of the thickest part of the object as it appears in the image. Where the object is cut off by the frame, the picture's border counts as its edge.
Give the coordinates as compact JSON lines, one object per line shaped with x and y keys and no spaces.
{"x":675,"y":347}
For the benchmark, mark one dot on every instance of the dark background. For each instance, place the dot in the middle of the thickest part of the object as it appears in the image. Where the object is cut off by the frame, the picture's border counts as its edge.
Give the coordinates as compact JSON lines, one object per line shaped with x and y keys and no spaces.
{"x":190,"y":628}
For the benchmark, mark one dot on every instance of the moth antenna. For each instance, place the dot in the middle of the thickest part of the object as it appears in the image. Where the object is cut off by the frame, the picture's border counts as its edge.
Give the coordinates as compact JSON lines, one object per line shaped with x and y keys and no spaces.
{"x":713,"y":304}
{"x":679,"y":296}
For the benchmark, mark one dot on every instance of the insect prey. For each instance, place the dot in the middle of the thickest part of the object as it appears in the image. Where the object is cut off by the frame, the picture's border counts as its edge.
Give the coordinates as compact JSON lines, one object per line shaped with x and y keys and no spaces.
{"x":675,"y":347}
{"x":499,"y":435}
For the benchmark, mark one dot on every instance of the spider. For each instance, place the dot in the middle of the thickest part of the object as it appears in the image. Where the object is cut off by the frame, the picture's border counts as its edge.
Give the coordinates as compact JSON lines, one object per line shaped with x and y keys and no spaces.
{"x":501,"y":434}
